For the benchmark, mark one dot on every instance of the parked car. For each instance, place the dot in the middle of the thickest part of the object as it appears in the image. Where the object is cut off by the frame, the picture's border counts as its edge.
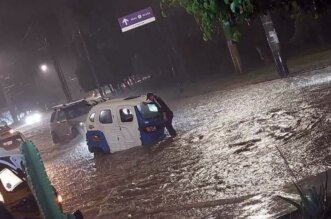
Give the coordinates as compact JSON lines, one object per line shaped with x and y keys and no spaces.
{"x":16,"y":196}
{"x":120,"y":124}
{"x":10,"y":139}
{"x":67,"y":120}
{"x":15,"y":193}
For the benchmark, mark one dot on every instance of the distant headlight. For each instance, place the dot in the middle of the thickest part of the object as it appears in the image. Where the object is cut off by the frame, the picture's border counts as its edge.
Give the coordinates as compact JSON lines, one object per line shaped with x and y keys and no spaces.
{"x":11,"y":131}
{"x":33,"y":118}
{"x":81,"y":124}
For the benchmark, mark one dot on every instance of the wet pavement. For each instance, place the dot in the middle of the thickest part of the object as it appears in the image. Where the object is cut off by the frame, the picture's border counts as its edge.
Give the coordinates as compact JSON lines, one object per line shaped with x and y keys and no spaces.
{"x":224,"y":160}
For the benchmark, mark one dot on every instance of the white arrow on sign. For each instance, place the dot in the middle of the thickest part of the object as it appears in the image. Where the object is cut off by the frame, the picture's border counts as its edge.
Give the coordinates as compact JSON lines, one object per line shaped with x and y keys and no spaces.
{"x":125,"y":21}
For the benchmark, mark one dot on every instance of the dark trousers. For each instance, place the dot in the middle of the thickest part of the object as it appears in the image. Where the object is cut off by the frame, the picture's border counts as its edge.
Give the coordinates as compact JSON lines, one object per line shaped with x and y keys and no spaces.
{"x":169,"y":127}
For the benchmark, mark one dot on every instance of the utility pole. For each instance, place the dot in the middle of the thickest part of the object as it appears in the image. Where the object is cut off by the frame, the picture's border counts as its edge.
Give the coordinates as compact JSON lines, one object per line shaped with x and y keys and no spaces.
{"x":90,"y":63}
{"x":44,"y":11}
{"x":274,"y":45}
{"x":63,"y":81}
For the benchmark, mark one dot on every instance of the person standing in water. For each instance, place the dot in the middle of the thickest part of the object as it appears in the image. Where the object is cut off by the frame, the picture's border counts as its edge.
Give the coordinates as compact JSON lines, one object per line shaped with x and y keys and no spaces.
{"x":167,"y":114}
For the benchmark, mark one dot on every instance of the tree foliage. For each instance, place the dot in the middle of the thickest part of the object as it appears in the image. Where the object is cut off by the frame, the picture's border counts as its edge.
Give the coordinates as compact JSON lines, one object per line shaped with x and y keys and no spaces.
{"x":230,"y":13}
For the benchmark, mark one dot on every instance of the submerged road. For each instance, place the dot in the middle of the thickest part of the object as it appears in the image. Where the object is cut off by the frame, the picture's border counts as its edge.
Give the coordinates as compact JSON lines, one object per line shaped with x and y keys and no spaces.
{"x":224,"y":160}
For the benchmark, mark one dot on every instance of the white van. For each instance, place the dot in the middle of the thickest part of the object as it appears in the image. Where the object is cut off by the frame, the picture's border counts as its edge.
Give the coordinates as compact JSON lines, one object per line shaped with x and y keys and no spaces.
{"x":120,"y":124}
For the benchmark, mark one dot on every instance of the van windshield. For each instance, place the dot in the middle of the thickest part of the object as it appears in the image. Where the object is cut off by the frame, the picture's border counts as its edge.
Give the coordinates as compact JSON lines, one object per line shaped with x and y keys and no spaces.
{"x":77,"y":110}
{"x":148,"y":110}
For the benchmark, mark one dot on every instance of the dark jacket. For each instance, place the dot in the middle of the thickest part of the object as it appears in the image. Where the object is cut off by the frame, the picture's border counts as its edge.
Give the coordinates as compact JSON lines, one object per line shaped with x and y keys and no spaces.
{"x":162,"y":106}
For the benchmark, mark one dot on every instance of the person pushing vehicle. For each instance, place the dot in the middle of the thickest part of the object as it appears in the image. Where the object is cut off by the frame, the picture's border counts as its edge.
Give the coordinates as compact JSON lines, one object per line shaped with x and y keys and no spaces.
{"x":167,"y":114}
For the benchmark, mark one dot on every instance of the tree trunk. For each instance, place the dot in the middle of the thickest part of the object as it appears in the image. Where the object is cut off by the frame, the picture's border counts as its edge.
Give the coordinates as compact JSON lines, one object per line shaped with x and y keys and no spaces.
{"x":8,"y":101}
{"x":274,"y":45}
{"x":234,"y":52}
{"x":236,"y":60}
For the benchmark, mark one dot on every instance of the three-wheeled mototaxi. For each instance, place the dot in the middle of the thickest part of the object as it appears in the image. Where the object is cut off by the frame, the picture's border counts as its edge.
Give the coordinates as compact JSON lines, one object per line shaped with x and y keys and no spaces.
{"x":120,"y":124}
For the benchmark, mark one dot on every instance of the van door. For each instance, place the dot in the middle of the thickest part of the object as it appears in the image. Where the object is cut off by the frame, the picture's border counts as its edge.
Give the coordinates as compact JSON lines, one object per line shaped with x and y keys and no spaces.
{"x":128,"y":124}
{"x":109,"y":126}
{"x":53,"y":120}
{"x":62,"y":129}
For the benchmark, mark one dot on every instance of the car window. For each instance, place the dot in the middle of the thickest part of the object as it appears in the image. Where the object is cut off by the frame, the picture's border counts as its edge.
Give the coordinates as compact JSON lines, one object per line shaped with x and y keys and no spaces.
{"x":148,"y":110}
{"x":77,"y":110}
{"x":61,"y":116}
{"x":105,"y":117}
{"x":126,"y":115}
{"x":92,"y":116}
{"x":53,"y":116}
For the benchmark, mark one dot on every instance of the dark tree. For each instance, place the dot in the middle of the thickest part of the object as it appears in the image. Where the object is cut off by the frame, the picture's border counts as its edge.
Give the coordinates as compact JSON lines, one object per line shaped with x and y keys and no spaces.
{"x":230,"y":13}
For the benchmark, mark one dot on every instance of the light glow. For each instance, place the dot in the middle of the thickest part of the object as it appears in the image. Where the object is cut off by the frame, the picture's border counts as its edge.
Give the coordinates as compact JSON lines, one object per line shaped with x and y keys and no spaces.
{"x":33,"y":118}
{"x":59,"y":199}
{"x":44,"y":68}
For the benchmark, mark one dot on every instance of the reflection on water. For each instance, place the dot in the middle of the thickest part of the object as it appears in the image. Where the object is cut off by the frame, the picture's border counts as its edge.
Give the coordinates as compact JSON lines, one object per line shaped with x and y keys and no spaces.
{"x":223,"y":161}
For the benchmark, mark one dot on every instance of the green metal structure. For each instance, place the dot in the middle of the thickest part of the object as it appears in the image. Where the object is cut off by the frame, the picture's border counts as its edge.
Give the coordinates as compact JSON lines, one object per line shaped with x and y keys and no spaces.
{"x":39,"y":183}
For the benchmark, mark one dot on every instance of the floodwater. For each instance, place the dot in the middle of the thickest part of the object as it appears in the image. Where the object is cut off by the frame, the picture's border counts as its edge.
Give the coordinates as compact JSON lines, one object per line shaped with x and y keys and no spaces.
{"x":223,"y":163}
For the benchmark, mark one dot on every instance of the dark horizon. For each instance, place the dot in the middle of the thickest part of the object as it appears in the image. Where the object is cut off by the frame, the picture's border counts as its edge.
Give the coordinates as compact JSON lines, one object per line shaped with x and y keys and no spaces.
{"x":168,"y":47}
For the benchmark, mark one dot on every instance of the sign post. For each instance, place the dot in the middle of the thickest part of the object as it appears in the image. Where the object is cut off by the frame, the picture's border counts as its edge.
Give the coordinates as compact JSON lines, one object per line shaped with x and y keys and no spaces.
{"x":136,"y":19}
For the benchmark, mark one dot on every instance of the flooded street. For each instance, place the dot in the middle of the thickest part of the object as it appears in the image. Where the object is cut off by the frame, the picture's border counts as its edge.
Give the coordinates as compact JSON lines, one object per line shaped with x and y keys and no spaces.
{"x":224,"y":159}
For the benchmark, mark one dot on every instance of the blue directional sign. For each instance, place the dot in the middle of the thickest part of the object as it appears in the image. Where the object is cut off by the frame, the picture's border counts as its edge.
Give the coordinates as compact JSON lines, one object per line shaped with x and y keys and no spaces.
{"x":136,"y":19}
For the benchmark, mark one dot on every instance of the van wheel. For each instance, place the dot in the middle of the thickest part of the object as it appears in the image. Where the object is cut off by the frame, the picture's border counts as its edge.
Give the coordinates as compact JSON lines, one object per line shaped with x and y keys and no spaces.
{"x":55,"y":138}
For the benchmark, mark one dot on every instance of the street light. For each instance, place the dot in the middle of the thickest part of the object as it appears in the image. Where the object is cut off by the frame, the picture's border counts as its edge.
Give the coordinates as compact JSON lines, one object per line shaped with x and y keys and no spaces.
{"x":44,"y":67}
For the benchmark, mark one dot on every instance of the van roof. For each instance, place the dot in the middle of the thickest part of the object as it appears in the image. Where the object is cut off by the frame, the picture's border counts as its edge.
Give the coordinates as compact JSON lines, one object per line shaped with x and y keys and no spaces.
{"x":63,"y":106}
{"x":134,"y":100}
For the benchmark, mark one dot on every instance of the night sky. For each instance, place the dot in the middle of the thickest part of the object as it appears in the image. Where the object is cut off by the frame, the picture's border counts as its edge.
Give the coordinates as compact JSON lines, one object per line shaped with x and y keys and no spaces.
{"x":31,"y":30}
